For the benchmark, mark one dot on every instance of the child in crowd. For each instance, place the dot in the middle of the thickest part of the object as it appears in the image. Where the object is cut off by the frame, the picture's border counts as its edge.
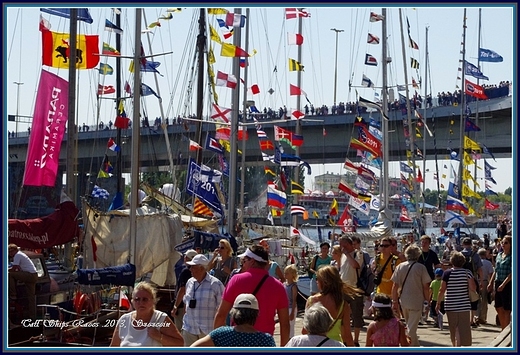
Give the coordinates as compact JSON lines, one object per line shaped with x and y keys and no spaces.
{"x":435,"y":285}
{"x":385,"y":329}
{"x":291,"y":287}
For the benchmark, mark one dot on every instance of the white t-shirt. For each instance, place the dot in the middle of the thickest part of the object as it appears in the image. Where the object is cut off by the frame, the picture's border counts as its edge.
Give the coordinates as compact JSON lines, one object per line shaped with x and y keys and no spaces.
{"x":312,"y":340}
{"x":24,"y":262}
{"x":133,"y":337}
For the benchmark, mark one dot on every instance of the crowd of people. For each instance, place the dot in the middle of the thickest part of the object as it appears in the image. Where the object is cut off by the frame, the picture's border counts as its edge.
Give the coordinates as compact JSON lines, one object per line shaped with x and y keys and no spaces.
{"x":445,"y":98}
{"x":222,"y":302}
{"x":241,"y":303}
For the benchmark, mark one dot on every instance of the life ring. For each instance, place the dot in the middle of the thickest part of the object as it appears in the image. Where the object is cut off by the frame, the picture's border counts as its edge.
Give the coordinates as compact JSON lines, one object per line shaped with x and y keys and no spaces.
{"x":77,"y":298}
{"x":85,"y":304}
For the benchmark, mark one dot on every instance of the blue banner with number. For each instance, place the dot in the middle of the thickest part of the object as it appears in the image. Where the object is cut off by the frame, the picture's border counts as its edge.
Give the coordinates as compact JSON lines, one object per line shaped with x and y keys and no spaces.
{"x":200,"y":185}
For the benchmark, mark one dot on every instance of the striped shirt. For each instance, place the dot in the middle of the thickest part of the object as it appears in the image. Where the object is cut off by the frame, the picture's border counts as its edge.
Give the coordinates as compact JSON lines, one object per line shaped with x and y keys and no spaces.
{"x":502,"y":267}
{"x":457,"y":290}
{"x":208,"y":295}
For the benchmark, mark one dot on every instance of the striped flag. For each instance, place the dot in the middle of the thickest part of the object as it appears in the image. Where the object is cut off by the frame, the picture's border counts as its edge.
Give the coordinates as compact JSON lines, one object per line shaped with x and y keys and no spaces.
{"x":297,"y":209}
{"x":294,"y":39}
{"x":200,"y":208}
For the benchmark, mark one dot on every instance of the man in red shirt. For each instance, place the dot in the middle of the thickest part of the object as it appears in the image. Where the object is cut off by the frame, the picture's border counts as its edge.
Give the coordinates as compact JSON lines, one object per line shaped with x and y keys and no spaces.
{"x":270,"y":292}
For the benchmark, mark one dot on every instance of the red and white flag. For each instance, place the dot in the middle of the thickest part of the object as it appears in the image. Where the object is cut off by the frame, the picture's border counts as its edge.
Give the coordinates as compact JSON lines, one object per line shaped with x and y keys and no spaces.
{"x":490,"y":205}
{"x":372,"y":39}
{"x":474,"y":90}
{"x":102,"y":90}
{"x":375,"y":17}
{"x":227,"y":80}
{"x":194,"y":145}
{"x":297,"y":114}
{"x":235,"y":20}
{"x":370,"y":60}
{"x":294,"y":90}
{"x":220,"y":114}
{"x":295,"y":13}
{"x":294,"y":38}
{"x":345,"y":221}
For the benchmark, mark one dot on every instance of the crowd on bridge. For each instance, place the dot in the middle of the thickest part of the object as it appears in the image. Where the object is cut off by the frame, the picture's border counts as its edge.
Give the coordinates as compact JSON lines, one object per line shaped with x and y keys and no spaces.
{"x":267,"y":113}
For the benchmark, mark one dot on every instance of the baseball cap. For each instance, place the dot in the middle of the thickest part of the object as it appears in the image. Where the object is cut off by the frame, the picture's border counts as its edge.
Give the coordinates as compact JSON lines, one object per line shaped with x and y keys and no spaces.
{"x":198,"y":259}
{"x":466,"y":241}
{"x":439,"y":272}
{"x":191,"y":253}
{"x":247,"y":301}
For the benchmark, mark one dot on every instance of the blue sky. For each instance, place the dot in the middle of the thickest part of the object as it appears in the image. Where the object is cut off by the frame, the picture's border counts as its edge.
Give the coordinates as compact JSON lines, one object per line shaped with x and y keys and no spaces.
{"x":268,"y":32}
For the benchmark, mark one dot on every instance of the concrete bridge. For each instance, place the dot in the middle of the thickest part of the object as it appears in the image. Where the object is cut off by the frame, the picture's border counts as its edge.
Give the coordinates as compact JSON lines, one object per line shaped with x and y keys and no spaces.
{"x":495,"y":120}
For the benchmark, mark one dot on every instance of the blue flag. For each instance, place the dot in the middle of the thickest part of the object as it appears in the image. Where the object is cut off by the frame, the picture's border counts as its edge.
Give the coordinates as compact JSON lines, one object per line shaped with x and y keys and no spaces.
{"x":146,"y":90}
{"x":487,"y":55}
{"x":470,"y":69}
{"x":111,"y":27}
{"x":83,"y":14}
{"x":202,"y":188}
{"x":486,"y":151}
{"x":105,"y":69}
{"x":470,"y":126}
{"x":405,"y":168}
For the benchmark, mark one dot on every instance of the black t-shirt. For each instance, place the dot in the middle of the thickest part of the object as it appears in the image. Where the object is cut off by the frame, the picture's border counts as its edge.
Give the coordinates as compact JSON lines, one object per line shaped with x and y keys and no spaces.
{"x":429,"y":259}
{"x":181,"y":282}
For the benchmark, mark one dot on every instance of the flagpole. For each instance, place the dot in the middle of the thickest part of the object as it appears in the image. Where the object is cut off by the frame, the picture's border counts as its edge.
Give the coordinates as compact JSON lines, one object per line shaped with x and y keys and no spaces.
{"x":298,"y":123}
{"x":244,"y":117}
{"x":410,"y":128}
{"x":72,"y":141}
{"x":235,"y":104}
{"x":463,"y":105}
{"x":136,"y":130}
{"x":336,"y":64}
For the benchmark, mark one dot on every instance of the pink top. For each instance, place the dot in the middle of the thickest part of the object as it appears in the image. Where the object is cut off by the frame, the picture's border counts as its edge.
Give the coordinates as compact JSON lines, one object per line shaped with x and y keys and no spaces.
{"x":271,"y":295}
{"x":387,"y":335}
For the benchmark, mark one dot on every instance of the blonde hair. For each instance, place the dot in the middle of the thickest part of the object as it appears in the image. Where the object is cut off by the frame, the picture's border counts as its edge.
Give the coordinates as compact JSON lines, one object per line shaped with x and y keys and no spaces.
{"x":331,"y":283}
{"x":227,"y":247}
{"x":146,"y":286}
{"x":336,"y":249}
{"x":292,"y":270}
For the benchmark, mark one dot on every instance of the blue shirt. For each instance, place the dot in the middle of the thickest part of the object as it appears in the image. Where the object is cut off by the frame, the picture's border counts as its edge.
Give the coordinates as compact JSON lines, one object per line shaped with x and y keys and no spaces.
{"x":228,"y":336}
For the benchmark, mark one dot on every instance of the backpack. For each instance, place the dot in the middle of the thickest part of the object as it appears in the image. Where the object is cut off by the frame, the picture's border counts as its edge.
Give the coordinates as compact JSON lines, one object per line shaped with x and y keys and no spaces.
{"x":469,"y":264}
{"x":365,"y":276}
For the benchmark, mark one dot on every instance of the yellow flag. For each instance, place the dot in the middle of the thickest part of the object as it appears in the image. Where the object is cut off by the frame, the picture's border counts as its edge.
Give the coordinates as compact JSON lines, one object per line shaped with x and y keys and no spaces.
{"x":466,"y":191}
{"x":408,"y":154}
{"x":294,"y":65}
{"x":468,"y":160}
{"x":213,"y":34}
{"x":315,"y":214}
{"x":211,"y":57}
{"x":471,"y":144}
{"x":418,"y":132}
{"x":217,"y":11}
{"x":229,"y":50}
{"x":334,"y":208}
{"x":227,"y":146}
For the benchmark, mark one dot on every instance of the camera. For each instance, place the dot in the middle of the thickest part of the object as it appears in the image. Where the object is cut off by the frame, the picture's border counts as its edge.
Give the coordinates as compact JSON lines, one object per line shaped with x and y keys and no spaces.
{"x":192,"y":304}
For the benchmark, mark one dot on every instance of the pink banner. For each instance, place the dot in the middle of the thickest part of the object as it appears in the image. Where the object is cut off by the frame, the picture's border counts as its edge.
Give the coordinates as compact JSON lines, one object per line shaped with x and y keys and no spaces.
{"x":48,"y":127}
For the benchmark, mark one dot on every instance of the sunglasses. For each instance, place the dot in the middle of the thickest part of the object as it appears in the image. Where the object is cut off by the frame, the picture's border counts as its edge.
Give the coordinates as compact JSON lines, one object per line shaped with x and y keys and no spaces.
{"x":222,"y":247}
{"x":143,"y":299}
{"x":384,"y":245}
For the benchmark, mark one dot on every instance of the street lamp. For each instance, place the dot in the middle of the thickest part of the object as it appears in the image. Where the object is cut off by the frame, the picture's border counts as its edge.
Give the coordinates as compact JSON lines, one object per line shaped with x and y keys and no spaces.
{"x":17,"y":106}
{"x":336,"y":64}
